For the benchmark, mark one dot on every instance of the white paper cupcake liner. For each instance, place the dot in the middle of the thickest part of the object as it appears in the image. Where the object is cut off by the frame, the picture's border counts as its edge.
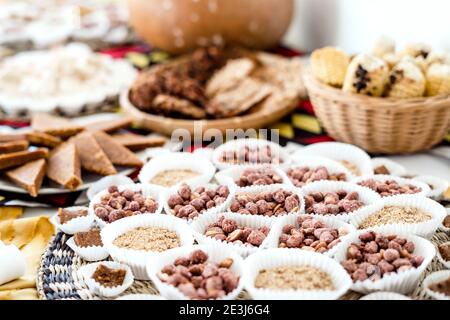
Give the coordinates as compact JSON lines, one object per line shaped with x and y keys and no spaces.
{"x":138,"y":296}
{"x":367,"y":196}
{"x":435,"y":277}
{"x":204,"y":152}
{"x":424,"y":229}
{"x":215,"y":254}
{"x":91,"y":254}
{"x":339,"y":151}
{"x":88,"y":270}
{"x":425,"y":189}
{"x":437,"y":185}
{"x":231,"y":175}
{"x":137,"y":259}
{"x":147,"y":190}
{"x":104,"y":183}
{"x":271,"y":188}
{"x":331,"y":222}
{"x":273,"y":258}
{"x":75,"y":225}
{"x":176,"y":161}
{"x":441,"y":259}
{"x":401,"y":282}
{"x":314,"y":162}
{"x":214,"y":210}
{"x":383,"y":295}
{"x":199,"y":227}
{"x":252,"y":143}
{"x":394,"y":168}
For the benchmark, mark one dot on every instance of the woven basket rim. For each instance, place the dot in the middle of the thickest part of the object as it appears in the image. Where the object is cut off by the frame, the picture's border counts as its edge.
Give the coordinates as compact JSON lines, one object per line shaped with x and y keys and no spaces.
{"x":368,"y":102}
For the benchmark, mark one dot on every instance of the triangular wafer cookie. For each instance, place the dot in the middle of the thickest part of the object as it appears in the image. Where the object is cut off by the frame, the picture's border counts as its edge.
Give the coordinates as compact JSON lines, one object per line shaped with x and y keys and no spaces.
{"x":56,"y":126}
{"x":92,"y":157}
{"x":117,"y":153}
{"x":29,"y":176}
{"x":64,"y":166}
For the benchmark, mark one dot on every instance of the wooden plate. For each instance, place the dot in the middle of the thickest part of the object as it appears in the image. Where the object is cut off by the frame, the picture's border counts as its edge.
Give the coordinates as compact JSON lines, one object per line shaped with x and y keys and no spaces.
{"x":256,"y":118}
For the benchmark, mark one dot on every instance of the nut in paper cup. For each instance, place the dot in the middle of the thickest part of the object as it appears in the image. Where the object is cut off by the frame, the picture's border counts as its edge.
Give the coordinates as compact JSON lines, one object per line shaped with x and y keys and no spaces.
{"x":137,"y":259}
{"x":433,"y":278}
{"x":105,"y":182}
{"x":313,"y":162}
{"x":424,"y":188}
{"x":443,"y":227}
{"x":367,"y":196}
{"x":214,"y":210}
{"x":147,"y":190}
{"x":200,"y":225}
{"x":423,"y":229}
{"x":384,"y":295}
{"x":231,"y":175}
{"x":272,"y":240}
{"x":271,"y":188}
{"x":88,"y":270}
{"x":400,"y":282}
{"x":215,"y":253}
{"x":394,"y":168}
{"x":179,"y":161}
{"x":278,"y":151}
{"x":437,"y":185}
{"x":72,"y":226}
{"x":91,"y":254}
{"x":441,"y":258}
{"x":273,"y":258}
{"x":340,"y":152}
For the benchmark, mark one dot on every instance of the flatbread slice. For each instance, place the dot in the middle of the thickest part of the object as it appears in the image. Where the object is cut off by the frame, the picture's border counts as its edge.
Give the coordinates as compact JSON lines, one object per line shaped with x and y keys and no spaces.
{"x":29,"y":176}
{"x":117,"y":153}
{"x":93,"y":158}
{"x":55,"y":126}
{"x":64,"y":166}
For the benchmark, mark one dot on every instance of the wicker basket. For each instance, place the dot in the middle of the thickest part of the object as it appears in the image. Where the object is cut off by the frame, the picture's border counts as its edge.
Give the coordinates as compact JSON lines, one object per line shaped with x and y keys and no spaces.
{"x":380,"y":125}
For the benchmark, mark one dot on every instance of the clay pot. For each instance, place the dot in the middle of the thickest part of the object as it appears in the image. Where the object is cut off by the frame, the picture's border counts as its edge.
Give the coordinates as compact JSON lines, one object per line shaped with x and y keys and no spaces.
{"x":180,"y":26}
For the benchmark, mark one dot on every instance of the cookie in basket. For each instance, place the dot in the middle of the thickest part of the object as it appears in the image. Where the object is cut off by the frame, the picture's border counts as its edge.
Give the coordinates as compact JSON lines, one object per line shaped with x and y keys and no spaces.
{"x":330,"y":65}
{"x":383,"y":46}
{"x":438,"y":80}
{"x":366,"y":74}
{"x":406,"y":80}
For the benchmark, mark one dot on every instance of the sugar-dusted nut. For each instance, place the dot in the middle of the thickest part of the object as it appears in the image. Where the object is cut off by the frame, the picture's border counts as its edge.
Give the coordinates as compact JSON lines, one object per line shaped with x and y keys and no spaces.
{"x":185,"y":191}
{"x":226,"y":263}
{"x":373,"y":258}
{"x":416,"y":260}
{"x":359,"y":275}
{"x":371,"y":247}
{"x":198,"y":256}
{"x":367,"y":236}
{"x":353,"y":252}
{"x":229,"y":225}
{"x":256,"y":238}
{"x":390,"y":255}
{"x":235,"y":235}
{"x":394,"y":245}
{"x":252,"y":208}
{"x":385,"y":267}
{"x":401,"y":262}
{"x":210,"y":270}
{"x":214,"y":231}
{"x":409,"y":246}
{"x":181,"y":262}
{"x":291,"y":203}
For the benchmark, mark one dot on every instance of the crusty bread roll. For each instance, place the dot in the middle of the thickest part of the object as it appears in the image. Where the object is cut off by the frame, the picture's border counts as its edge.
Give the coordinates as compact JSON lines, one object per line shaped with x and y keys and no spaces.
{"x":178,"y":26}
{"x":438,"y":79}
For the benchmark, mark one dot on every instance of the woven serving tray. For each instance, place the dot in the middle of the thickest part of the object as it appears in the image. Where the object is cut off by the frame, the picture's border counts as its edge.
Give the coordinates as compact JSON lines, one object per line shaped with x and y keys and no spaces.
{"x":58,"y":276}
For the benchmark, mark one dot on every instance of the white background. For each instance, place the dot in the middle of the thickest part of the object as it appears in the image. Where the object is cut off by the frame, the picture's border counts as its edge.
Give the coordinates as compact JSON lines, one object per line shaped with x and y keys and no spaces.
{"x":354,"y":24}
